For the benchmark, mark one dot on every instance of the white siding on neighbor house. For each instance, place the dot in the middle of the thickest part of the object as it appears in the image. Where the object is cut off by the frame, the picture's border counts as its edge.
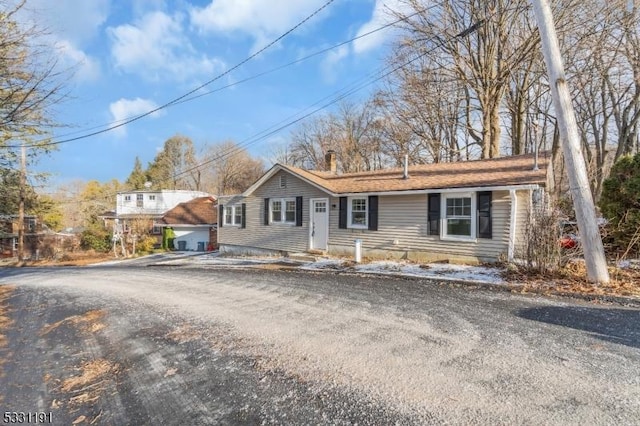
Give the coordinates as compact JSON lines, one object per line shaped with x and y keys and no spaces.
{"x":192,"y":235}
{"x":278,"y":237}
{"x":403,"y":228}
{"x":164,"y":201}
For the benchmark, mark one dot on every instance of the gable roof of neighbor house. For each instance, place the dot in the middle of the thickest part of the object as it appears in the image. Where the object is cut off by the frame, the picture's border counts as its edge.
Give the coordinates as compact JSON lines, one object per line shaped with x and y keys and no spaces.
{"x":199,"y":211}
{"x":496,"y":172}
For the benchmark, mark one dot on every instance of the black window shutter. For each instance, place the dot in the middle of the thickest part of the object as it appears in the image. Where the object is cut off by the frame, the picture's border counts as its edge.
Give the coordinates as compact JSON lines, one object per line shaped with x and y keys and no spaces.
{"x":243,"y":221}
{"x":298,"y":211}
{"x":342,"y":219}
{"x":266,"y":211}
{"x":484,"y":214}
{"x":220,"y":215}
{"x":373,"y":213}
{"x":434,"y":214}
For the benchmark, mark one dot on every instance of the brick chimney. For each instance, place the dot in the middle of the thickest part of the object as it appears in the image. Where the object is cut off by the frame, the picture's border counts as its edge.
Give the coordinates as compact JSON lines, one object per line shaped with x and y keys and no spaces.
{"x":330,"y":161}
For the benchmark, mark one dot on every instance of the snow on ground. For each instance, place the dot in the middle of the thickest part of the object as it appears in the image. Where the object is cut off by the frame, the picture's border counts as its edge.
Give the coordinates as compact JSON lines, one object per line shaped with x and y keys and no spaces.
{"x":440,"y":271}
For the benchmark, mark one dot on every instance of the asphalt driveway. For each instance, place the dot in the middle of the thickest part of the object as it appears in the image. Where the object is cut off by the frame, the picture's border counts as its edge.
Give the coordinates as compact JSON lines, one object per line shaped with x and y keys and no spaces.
{"x":179,"y":345}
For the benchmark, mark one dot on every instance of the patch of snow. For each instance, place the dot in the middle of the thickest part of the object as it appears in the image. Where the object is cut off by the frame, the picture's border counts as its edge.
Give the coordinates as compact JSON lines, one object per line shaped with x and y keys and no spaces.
{"x":440,"y":271}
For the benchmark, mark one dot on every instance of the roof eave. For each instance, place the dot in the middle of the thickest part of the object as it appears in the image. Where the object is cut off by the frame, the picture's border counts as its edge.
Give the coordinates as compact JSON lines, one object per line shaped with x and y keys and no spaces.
{"x":276,"y":168}
{"x":530,"y":186}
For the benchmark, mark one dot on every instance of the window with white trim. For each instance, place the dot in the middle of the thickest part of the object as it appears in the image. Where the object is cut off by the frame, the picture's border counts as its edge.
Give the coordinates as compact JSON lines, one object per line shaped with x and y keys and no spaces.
{"x":127,"y":198}
{"x":283,"y":210}
{"x":152,"y":197}
{"x":357,"y":211}
{"x":459,"y":216}
{"x":233,"y":215}
{"x":139,"y":200}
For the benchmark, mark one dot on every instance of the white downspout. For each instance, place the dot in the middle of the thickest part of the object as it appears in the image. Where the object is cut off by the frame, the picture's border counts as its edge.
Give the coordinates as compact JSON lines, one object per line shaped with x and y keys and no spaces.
{"x":513,"y":225}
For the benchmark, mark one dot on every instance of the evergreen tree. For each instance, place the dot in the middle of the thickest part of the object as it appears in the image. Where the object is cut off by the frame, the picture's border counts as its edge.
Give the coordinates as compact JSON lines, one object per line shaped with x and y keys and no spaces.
{"x":138,"y":176}
{"x":620,"y":202}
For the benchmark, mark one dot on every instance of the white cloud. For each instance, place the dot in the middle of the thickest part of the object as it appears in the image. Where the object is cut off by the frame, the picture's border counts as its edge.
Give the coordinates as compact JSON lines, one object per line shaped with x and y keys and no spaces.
{"x":124,"y":109}
{"x":331,"y":62}
{"x":69,"y":25}
{"x":77,"y":21}
{"x":84,"y":67}
{"x":382,"y":15}
{"x":155,"y":47}
{"x":261,"y":19}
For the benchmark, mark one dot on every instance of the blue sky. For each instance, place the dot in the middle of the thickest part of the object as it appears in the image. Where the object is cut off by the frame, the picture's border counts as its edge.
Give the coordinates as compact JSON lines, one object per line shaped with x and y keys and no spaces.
{"x":130,"y":57}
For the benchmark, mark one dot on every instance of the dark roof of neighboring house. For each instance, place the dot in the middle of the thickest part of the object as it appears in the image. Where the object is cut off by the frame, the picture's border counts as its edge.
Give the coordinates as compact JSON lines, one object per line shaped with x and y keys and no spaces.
{"x":495,"y":172}
{"x":199,"y":211}
{"x":111,"y":214}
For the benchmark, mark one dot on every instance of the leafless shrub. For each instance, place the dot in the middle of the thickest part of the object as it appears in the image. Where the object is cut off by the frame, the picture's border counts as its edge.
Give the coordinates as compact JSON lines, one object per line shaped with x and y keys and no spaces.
{"x":547,"y":247}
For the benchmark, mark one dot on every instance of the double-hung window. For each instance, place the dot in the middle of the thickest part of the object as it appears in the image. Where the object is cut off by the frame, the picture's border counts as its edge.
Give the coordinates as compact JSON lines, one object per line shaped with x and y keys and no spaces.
{"x":357,"y":212}
{"x":290,"y":211}
{"x":139,"y":200}
{"x":459,"y":219}
{"x":283,"y":210}
{"x":232,"y":215}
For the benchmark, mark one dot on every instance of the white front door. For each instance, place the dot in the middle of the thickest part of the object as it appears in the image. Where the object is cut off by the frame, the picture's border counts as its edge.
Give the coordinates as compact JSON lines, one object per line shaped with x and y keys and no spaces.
{"x":319,"y":226}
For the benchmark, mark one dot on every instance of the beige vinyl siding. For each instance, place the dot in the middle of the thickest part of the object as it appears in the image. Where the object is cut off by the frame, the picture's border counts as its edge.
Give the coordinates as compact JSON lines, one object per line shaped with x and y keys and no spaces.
{"x":523,"y":209}
{"x":403,"y":231}
{"x":278,"y":237}
{"x":402,"y":226}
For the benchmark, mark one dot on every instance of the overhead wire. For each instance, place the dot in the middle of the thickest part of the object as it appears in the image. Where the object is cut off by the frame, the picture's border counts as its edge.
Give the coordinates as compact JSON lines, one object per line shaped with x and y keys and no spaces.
{"x":334,"y":98}
{"x":192,"y":91}
{"x":111,"y":125}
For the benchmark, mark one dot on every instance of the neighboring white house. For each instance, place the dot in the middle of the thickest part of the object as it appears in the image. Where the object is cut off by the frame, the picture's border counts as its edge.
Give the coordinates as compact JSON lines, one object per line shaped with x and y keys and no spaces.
{"x":143,"y":208}
{"x":152,"y":202}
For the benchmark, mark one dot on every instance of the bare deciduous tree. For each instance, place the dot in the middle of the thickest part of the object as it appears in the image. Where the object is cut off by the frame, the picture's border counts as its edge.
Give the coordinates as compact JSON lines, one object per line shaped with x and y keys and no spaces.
{"x":229,"y":168}
{"x":482,"y":59}
{"x":354,"y":132}
{"x":175,"y":166}
{"x":30,"y":85}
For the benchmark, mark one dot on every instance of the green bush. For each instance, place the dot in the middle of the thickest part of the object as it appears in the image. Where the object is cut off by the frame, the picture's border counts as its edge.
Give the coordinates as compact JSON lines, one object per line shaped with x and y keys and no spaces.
{"x":620,"y":204}
{"x":96,"y":239}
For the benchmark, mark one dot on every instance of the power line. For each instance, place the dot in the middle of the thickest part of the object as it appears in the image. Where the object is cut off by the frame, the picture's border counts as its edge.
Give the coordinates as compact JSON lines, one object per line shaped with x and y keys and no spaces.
{"x":192,"y":91}
{"x":192,"y":96}
{"x":325,"y":102}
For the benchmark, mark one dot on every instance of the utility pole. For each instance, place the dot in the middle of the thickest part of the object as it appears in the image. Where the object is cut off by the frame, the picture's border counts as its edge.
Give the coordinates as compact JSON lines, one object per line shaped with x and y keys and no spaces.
{"x":595,"y":260}
{"x":23,"y":190}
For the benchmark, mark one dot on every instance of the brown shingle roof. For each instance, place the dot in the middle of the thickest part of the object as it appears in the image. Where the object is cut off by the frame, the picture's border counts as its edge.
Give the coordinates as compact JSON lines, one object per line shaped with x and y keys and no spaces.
{"x":503,"y":171}
{"x":199,"y":211}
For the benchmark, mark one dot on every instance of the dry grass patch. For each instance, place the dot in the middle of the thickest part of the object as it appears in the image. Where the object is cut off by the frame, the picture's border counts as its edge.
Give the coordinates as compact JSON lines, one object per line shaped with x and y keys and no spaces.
{"x":81,"y":258}
{"x":573,"y":279}
{"x":5,"y":321}
{"x":88,"y":386}
{"x":89,"y":322}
